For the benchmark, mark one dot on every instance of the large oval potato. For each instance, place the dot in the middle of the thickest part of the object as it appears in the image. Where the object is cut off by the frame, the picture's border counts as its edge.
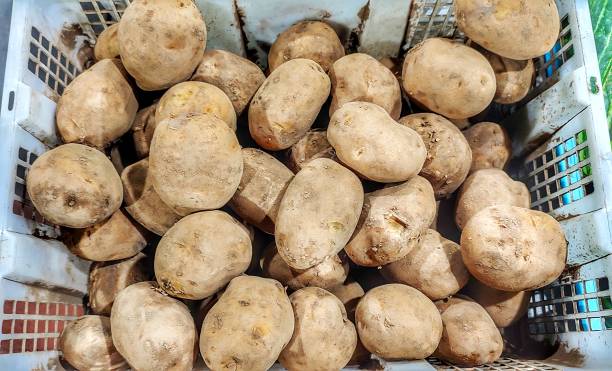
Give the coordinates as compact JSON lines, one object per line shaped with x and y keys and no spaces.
{"x":195,"y":162}
{"x":488,"y":187}
{"x":514,"y":29}
{"x":74,"y":186}
{"x":161,"y":42}
{"x":449,"y":156}
{"x":99,"y":95}
{"x":248,"y":327}
{"x":389,"y":317}
{"x":505,"y":308}
{"x":370,"y":142}
{"x":312,"y":145}
{"x":324,"y":338}
{"x":238,"y":77}
{"x":143,"y":129}
{"x":513,"y":78}
{"x":391,"y":222}
{"x":433,"y":266}
{"x":318,"y":213}
{"x":287,"y":103}
{"x":107,"y":44}
{"x":313,"y":40}
{"x":490,"y":144}
{"x":151,"y":330}
{"x":448,"y":78}
{"x":360,"y":77}
{"x":201,"y":253}
{"x":511,"y":248}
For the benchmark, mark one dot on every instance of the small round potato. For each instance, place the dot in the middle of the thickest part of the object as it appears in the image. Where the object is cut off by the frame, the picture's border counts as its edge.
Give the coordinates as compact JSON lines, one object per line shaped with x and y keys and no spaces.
{"x":449,"y":156}
{"x":201,"y":253}
{"x":360,"y":77}
{"x":324,"y":338}
{"x":312,"y":145}
{"x":74,"y":186}
{"x":313,"y":40}
{"x":248,"y":327}
{"x":143,"y":129}
{"x":470,"y":337}
{"x":391,"y":222}
{"x":287,"y":103}
{"x":510,"y":248}
{"x":505,"y":308}
{"x":107,"y":45}
{"x":195,"y":162}
{"x":161,"y":42}
{"x":396,"y":321}
{"x":238,"y":77}
{"x":488,"y":187}
{"x":448,"y":78}
{"x":513,"y":78}
{"x":433,"y":266}
{"x":318,"y":213}
{"x":87,"y":344}
{"x":490,"y":144}
{"x":370,"y":142}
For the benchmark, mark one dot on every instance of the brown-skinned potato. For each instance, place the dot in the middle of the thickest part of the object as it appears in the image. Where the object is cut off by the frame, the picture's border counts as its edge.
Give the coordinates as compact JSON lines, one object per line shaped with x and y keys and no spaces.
{"x":107,"y":45}
{"x":312,"y":145}
{"x":513,"y":77}
{"x":505,"y":308}
{"x":490,"y":144}
{"x":143,"y":129}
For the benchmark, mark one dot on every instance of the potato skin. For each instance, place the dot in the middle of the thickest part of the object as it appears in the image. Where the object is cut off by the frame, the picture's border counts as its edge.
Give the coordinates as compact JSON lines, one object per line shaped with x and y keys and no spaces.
{"x":324,"y":338}
{"x":360,"y":77}
{"x":488,"y":187}
{"x":391,"y":222}
{"x":238,"y":77}
{"x":495,"y":25}
{"x":433,"y":266}
{"x":248,"y":327}
{"x":505,"y":308}
{"x":490,"y":144}
{"x":195,"y":162}
{"x":308,"y":39}
{"x":312,"y":145}
{"x":470,"y":337}
{"x":449,"y":156}
{"x":107,"y":45}
{"x":287,"y":103}
{"x":370,"y":142}
{"x":389,"y":316}
{"x":318,"y":213}
{"x":151,"y":330}
{"x":74,"y":186}
{"x":174,"y":43}
{"x":448,"y":78}
{"x":513,"y":249}
{"x":100,"y":94}
{"x":143,"y":128}
{"x":513,"y":78}
{"x":201,"y":253}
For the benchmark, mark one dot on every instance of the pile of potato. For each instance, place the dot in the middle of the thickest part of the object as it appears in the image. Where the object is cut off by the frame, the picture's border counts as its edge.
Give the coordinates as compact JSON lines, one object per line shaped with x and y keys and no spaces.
{"x":354,"y":266}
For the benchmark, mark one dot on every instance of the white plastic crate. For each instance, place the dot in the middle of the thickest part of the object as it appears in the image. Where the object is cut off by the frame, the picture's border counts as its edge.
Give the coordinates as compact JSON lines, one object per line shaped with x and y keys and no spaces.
{"x":42,"y":285}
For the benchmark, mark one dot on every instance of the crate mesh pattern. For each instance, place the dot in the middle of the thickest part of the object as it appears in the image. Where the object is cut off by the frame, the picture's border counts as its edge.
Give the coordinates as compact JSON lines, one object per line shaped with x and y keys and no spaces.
{"x":431,"y":18}
{"x":502,"y":364}
{"x":102,"y":14}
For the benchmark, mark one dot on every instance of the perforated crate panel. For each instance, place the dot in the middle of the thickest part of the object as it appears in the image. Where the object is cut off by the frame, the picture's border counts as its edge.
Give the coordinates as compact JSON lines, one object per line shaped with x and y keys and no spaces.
{"x":431,"y":18}
{"x":502,"y":364}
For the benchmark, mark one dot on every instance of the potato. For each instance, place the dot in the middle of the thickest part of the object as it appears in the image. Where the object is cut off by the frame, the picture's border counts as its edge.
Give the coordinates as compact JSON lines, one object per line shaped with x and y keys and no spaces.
{"x":318,"y":213}
{"x":312,"y":145}
{"x":449,"y":156}
{"x":263,"y":183}
{"x":106,"y":279}
{"x":195,"y":162}
{"x":391,"y":222}
{"x":238,"y":77}
{"x":151,"y":330}
{"x":313,"y":40}
{"x":201,"y":253}
{"x":324,"y":338}
{"x":514,"y":29}
{"x":74,"y":186}
{"x":433,"y":266}
{"x":143,"y":202}
{"x":99,"y":95}
{"x":505,"y":308}
{"x":490,"y":144}
{"x":118,"y":237}
{"x":513,"y":78}
{"x":488,"y":187}
{"x":448,"y":78}
{"x":107,"y":45}
{"x":370,"y":142}
{"x":87,"y":344}
{"x":470,"y":337}
{"x":161,"y":42}
{"x":396,"y":321}
{"x":510,"y":248}
{"x":195,"y":97}
{"x":329,"y":273}
{"x":287,"y":103}
{"x":360,"y":77}
{"x":248,"y":327}
{"x":143,"y":129}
